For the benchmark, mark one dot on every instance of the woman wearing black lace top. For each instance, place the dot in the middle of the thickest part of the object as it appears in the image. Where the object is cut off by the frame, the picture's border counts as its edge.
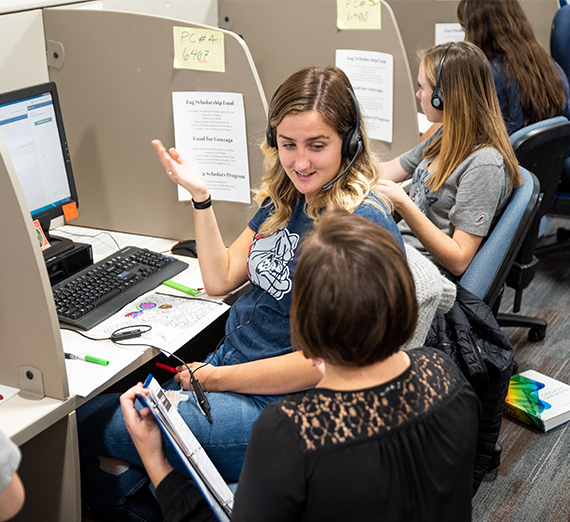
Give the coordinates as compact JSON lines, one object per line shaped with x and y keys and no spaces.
{"x":386,"y":435}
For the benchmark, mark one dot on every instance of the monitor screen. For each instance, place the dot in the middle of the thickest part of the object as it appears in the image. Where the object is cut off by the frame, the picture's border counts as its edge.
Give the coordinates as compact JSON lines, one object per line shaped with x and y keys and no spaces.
{"x":32,"y":128}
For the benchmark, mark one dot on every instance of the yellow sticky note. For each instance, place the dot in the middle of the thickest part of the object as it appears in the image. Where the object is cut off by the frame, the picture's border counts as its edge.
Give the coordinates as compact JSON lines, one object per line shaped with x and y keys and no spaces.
{"x":70,"y":211}
{"x":199,"y":49}
{"x":358,"y":14}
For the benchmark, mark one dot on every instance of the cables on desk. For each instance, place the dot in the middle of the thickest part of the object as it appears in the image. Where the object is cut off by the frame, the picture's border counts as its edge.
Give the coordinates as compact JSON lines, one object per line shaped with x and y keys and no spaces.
{"x":135,"y":331}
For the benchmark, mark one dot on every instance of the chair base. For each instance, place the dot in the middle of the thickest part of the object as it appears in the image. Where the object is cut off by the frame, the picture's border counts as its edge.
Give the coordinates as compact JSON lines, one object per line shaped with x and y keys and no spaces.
{"x":537,"y":326}
{"x":552,"y":244}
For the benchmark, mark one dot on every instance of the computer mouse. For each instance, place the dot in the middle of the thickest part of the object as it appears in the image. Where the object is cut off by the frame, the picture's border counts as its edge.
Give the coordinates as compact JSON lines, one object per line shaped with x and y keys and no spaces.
{"x":186,"y":247}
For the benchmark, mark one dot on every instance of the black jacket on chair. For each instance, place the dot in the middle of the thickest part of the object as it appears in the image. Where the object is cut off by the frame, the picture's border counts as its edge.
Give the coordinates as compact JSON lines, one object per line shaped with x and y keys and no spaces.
{"x":470,"y":335}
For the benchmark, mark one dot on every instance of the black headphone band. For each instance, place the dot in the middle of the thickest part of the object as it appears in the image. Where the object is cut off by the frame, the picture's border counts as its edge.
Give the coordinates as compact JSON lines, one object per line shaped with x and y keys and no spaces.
{"x":352,"y":143}
{"x":349,"y":142}
{"x":436,"y":97}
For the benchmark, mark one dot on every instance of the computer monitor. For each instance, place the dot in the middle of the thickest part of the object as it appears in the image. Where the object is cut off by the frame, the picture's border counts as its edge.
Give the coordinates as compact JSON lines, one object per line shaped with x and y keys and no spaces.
{"x":32,"y":128}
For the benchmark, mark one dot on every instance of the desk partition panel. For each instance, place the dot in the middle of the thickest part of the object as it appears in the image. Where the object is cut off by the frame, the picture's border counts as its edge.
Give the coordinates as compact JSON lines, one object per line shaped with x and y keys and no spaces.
{"x":115,"y":78}
{"x":286,"y":35}
{"x":31,"y":354}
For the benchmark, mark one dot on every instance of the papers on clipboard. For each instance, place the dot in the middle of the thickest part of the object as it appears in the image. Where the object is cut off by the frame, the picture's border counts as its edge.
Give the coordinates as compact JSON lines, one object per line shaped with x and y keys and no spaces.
{"x":211,"y":484}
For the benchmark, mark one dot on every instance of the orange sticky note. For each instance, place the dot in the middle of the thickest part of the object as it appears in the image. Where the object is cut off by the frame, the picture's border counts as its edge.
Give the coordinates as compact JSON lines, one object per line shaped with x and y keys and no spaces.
{"x":70,"y":211}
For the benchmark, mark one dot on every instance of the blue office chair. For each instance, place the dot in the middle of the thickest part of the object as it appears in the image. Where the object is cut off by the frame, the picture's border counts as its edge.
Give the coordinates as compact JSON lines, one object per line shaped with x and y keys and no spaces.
{"x":486,"y":275}
{"x":560,"y":51}
{"x":560,"y":38}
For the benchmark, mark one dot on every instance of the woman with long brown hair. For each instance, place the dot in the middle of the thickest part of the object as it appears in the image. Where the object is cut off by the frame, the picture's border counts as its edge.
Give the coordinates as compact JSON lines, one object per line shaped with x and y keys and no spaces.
{"x":530,"y":85}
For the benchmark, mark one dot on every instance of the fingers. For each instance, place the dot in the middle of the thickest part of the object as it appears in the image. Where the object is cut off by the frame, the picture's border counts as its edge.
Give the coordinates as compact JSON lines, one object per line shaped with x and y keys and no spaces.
{"x":175,"y":156}
{"x":163,"y":156}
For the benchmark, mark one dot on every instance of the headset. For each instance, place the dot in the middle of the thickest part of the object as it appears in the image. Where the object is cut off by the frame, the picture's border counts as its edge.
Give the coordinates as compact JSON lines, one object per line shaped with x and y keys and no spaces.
{"x":352,"y":143}
{"x":437,"y":97}
{"x":464,"y":13}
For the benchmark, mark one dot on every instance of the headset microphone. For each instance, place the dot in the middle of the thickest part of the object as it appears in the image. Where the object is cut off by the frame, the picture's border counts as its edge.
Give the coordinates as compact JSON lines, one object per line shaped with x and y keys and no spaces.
{"x":351,"y":144}
{"x":330,"y":183}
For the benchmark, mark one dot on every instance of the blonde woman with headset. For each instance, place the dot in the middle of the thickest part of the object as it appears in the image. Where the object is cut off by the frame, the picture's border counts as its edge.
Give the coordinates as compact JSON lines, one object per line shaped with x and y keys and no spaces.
{"x":317,"y":157}
{"x":462,"y":175}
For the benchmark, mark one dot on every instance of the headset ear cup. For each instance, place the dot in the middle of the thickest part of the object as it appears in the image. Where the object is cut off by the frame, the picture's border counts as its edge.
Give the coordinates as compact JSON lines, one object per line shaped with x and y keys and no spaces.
{"x":437,"y":100}
{"x":437,"y":97}
{"x":350,"y":143}
{"x":269,"y":136}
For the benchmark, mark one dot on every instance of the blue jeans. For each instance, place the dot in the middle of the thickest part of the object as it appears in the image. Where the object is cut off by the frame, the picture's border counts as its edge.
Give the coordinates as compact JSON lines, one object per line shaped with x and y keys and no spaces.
{"x":102,"y":432}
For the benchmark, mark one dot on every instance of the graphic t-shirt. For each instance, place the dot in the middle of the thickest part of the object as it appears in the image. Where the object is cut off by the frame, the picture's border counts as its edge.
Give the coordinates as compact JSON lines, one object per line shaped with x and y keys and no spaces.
{"x":271,"y":266}
{"x":471,"y":198}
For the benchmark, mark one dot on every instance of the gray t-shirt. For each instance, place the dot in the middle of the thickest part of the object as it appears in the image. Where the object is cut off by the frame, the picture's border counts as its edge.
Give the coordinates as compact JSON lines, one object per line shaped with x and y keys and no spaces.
{"x":9,"y":460}
{"x":471,"y":198}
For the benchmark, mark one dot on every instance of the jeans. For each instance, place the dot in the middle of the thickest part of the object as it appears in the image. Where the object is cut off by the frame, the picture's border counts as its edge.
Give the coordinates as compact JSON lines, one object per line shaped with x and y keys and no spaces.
{"x":102,"y":432}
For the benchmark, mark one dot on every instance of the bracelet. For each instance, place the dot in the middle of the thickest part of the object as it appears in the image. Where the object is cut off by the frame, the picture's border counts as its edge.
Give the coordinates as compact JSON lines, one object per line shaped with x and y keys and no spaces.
{"x":202,"y":204}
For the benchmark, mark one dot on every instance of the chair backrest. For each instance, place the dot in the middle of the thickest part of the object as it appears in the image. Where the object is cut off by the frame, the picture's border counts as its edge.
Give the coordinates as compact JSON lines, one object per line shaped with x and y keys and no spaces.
{"x":488,"y":271}
{"x":560,"y":37}
{"x":542,"y":148}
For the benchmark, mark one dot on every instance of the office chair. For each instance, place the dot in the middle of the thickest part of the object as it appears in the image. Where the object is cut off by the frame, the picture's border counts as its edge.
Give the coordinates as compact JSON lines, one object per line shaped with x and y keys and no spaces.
{"x":486,"y":275}
{"x":541,"y":148}
{"x":560,"y":52}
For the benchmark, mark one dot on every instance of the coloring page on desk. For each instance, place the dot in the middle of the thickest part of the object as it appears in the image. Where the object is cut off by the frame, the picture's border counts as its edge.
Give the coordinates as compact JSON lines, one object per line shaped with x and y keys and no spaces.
{"x":174,"y":320}
{"x":84,"y":377}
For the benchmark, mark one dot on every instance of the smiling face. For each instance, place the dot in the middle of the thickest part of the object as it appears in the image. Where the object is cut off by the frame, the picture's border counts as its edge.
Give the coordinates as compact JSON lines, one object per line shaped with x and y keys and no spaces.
{"x":309,"y":150}
{"x":424,"y":93}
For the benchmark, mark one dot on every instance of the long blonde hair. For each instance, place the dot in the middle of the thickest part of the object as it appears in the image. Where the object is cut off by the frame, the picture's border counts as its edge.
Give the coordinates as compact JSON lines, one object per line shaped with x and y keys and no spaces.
{"x":472,"y":116}
{"x":324,"y":90}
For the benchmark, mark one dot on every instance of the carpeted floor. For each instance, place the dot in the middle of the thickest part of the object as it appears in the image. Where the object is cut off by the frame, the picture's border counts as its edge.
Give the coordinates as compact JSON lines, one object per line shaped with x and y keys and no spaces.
{"x":533,"y":480}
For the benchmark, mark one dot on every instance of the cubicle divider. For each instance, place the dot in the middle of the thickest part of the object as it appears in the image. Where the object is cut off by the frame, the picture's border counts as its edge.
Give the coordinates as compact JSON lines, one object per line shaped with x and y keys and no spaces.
{"x":115,"y":76}
{"x":30,"y":342}
{"x":417,"y":19}
{"x":284,"y":36}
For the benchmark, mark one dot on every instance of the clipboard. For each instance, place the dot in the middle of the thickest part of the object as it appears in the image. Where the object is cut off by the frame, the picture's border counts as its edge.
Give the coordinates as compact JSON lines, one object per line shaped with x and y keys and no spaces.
{"x":201,"y":468}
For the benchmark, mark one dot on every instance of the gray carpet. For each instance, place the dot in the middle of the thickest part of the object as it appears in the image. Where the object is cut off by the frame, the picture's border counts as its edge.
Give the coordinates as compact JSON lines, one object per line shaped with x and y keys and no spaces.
{"x":533,"y":480}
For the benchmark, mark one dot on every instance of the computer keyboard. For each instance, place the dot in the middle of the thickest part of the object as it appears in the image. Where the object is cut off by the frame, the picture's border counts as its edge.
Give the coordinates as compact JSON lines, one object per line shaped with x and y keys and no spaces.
{"x":93,"y":294}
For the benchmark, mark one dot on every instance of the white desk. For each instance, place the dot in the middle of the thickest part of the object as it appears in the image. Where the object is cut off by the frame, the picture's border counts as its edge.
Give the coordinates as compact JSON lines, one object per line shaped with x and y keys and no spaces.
{"x":46,"y":430}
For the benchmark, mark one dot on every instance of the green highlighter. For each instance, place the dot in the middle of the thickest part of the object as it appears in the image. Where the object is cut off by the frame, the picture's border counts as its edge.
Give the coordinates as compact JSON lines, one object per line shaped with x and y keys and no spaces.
{"x":88,"y":358}
{"x":177,"y":286}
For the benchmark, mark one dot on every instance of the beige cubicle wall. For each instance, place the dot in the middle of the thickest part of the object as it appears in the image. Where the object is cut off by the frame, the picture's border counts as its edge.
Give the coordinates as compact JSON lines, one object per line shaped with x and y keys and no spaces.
{"x":116,"y":96}
{"x":30,"y":342}
{"x":286,"y":35}
{"x":417,"y":19}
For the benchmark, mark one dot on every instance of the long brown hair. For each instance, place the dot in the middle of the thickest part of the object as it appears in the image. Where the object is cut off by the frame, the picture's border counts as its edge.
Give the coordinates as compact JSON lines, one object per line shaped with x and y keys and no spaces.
{"x":472,"y":117}
{"x":503,"y":32}
{"x":323,"y":89}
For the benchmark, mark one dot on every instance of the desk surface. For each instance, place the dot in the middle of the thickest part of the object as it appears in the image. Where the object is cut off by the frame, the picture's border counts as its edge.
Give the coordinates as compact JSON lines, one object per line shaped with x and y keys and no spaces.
{"x":21,"y":419}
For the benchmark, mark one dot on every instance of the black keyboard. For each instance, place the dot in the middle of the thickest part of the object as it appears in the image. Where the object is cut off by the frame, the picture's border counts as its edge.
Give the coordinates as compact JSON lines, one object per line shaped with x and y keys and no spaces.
{"x":94,"y":294}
